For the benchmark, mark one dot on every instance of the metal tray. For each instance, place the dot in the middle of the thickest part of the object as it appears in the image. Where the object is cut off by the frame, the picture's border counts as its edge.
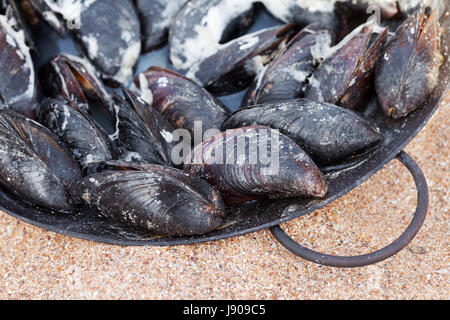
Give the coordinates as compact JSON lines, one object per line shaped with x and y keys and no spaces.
{"x":256,"y":215}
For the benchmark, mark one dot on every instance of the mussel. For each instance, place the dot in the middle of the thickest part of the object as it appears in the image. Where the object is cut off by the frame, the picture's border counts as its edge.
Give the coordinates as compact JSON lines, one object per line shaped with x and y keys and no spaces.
{"x":327,"y":133}
{"x":202,"y":25}
{"x":143,"y":132}
{"x":409,"y":7}
{"x":107,"y":32}
{"x":75,"y":79}
{"x":409,"y":68}
{"x":286,"y":76}
{"x":345,"y":78}
{"x":154,"y":198}
{"x":235,"y":64}
{"x":302,"y":12}
{"x":181,"y":101}
{"x":72,"y":123}
{"x":255,"y":162}
{"x":14,"y":10}
{"x":19,"y":88}
{"x":35,"y":166}
{"x":156,"y":17}
{"x":387,"y":9}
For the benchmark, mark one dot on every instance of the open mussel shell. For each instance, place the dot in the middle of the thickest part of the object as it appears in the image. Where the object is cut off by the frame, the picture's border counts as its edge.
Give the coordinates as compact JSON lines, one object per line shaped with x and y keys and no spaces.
{"x":157,"y":199}
{"x":255,"y":162}
{"x":73,"y":78}
{"x":156,"y":16}
{"x":143,"y":132}
{"x":181,"y":101}
{"x":408,"y":71}
{"x":107,"y":32}
{"x":327,"y":133}
{"x":285,"y":77}
{"x":18,"y":82}
{"x":234,"y":65}
{"x":35,"y":165}
{"x":345,"y":78}
{"x":84,"y":137}
{"x":201,"y":25}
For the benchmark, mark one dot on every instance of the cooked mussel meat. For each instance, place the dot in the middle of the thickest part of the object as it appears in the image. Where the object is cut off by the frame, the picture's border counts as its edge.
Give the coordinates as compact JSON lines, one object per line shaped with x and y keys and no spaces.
{"x":73,"y":124}
{"x":107,"y":32}
{"x":181,"y":101}
{"x":409,"y":68}
{"x":156,"y":17}
{"x":327,"y":133}
{"x":235,"y":64}
{"x":255,"y":162}
{"x":143,"y":132}
{"x":18,"y":81}
{"x":157,"y":199}
{"x":345,"y":78}
{"x":35,"y":166}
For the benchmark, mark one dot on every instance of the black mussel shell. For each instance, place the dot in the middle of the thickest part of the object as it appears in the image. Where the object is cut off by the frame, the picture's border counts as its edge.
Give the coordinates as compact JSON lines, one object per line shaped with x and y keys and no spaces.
{"x":181,"y":101}
{"x":202,"y":25}
{"x":18,"y":82}
{"x":110,"y":36}
{"x":302,"y":12}
{"x":35,"y":165}
{"x":84,"y":137}
{"x":286,"y":76}
{"x":158,"y":199}
{"x":143,"y":131}
{"x":409,"y":68}
{"x":346,"y":77}
{"x":73,"y":78}
{"x":230,"y":163}
{"x":327,"y":133}
{"x":107,"y":32}
{"x":114,"y":165}
{"x":156,"y":16}
{"x":234,"y":65}
{"x":36,"y":10}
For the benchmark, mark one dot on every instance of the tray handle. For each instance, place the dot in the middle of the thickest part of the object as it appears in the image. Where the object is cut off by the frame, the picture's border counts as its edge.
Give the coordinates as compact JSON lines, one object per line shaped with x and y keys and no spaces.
{"x":377,"y":256}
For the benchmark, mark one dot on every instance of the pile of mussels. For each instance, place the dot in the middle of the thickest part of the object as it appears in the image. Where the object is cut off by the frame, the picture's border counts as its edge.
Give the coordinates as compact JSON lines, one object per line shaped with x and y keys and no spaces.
{"x":308,"y":81}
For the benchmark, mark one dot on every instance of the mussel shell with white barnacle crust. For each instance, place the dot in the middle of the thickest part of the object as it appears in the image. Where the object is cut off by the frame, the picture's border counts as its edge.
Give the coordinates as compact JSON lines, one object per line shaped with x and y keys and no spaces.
{"x":107,"y":32}
{"x":19,"y":88}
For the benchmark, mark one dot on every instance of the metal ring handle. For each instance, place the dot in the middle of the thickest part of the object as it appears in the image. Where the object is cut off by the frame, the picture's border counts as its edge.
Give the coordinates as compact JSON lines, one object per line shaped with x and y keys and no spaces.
{"x":377,"y":256}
